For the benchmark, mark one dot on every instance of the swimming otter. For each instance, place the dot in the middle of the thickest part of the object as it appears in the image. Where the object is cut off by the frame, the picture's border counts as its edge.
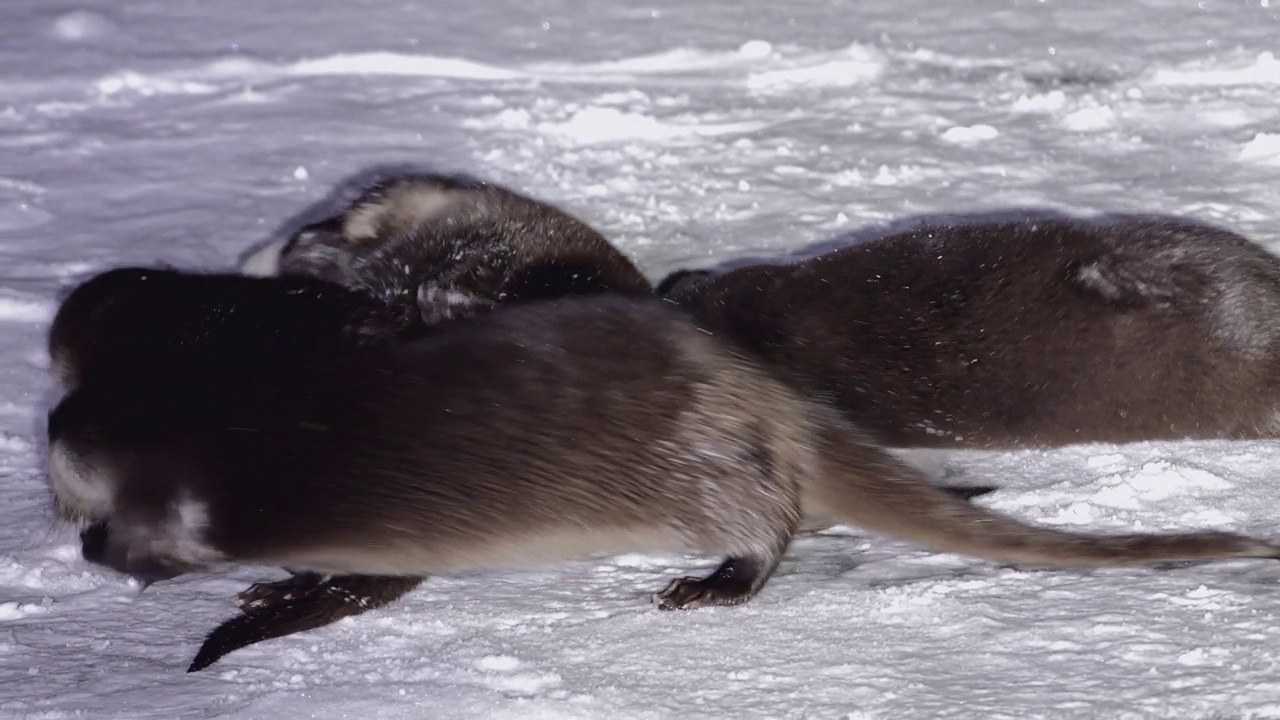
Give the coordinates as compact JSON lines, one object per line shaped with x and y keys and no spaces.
{"x":529,"y":434}
{"x":1040,"y":332}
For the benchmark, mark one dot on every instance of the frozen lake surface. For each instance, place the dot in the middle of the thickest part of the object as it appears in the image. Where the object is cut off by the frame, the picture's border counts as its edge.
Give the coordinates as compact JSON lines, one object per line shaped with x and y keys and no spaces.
{"x":690,"y":133}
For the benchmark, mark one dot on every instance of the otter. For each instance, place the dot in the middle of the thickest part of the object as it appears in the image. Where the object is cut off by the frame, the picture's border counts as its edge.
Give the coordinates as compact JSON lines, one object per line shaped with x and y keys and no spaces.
{"x":410,"y":252}
{"x":453,"y":246}
{"x":529,"y":434}
{"x":1031,"y":333}
{"x":443,"y":247}
{"x":163,"y":324}
{"x":152,"y":329}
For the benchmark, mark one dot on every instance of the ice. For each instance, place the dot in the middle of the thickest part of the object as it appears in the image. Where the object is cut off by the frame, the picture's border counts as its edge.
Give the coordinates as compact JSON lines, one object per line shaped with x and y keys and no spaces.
{"x":1089,"y":119}
{"x":689,"y":133}
{"x":82,"y":25}
{"x":970,"y":134}
{"x":1263,"y":148}
{"x":602,"y":125}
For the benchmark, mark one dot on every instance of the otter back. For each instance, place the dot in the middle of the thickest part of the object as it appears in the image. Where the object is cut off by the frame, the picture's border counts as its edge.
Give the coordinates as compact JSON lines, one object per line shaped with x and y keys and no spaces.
{"x":1028,"y":333}
{"x":154,"y":323}
{"x":524,"y":436}
{"x":454,"y":247}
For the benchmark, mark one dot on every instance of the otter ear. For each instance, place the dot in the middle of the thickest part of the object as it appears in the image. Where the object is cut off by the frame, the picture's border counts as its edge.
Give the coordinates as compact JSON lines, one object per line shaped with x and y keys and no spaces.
{"x":323,"y":233}
{"x":317,"y":250}
{"x":680,"y":280}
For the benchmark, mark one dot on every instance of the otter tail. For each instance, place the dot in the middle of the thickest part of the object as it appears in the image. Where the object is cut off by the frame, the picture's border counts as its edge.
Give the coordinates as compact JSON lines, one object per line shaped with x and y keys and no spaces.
{"x":863,"y":486}
{"x":302,"y":608}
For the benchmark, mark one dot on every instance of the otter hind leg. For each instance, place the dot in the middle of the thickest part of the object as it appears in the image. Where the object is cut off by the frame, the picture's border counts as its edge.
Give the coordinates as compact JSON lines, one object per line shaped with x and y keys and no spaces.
{"x":736,"y":581}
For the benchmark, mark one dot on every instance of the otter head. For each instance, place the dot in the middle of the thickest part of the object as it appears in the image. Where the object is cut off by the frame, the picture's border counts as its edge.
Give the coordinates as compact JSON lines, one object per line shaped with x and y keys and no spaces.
{"x":83,"y":492}
{"x":84,"y":316}
{"x":143,"y":525}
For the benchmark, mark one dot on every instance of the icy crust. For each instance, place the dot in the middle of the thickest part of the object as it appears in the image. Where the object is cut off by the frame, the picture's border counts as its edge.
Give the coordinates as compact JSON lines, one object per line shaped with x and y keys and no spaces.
{"x":690,"y":134}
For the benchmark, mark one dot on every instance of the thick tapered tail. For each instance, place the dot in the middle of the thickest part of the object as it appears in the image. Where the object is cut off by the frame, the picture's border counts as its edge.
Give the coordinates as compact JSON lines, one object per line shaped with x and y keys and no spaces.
{"x":812,"y":523}
{"x":314,"y":607}
{"x":864,"y":486}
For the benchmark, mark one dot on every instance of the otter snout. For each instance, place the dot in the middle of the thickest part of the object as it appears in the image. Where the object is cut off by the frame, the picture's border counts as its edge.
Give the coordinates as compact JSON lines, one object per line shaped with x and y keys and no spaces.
{"x":81,"y":490}
{"x":99,"y":546}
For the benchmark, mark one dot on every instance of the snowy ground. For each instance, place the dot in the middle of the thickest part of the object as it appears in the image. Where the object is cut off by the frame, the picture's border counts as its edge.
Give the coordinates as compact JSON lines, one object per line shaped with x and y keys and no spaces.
{"x":690,"y":133}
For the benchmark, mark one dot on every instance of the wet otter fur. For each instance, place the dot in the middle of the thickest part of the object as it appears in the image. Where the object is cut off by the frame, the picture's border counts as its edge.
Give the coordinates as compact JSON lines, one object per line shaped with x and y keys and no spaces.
{"x":1030,"y":333}
{"x":605,"y":424}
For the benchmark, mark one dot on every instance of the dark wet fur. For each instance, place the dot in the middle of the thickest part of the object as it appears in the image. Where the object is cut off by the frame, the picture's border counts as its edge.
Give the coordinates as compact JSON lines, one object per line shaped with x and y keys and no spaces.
{"x":524,"y":436}
{"x":150,"y":325}
{"x":152,"y":329}
{"x":1040,"y":332}
{"x":486,"y":245}
{"x":481,"y":242}
{"x":489,"y":245}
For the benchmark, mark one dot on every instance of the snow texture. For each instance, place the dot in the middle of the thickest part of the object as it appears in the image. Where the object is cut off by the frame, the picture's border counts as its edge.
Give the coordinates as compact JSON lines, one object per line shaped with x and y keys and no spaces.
{"x":690,"y":133}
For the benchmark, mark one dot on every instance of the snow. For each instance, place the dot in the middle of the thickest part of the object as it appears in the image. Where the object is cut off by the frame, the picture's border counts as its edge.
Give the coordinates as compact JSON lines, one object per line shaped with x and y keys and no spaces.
{"x":1264,"y":147}
{"x":690,"y":133}
{"x":973,"y":133}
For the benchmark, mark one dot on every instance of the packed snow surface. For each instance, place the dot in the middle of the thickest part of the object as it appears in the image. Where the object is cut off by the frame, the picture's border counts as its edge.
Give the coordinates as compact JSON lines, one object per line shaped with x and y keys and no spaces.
{"x":691,"y":133}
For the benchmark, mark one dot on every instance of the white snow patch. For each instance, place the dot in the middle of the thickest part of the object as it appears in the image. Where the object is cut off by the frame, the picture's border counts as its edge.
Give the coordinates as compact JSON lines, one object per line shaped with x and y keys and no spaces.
{"x":1107,"y":460}
{"x":498,"y":663}
{"x":10,"y":442}
{"x":79,"y":25}
{"x":508,"y":119}
{"x":1160,"y":480}
{"x":18,"y":309}
{"x":683,"y":61}
{"x":128,"y":81}
{"x":1264,"y":70}
{"x":1046,"y":102}
{"x":1228,"y":117}
{"x":1089,"y":119}
{"x":16,"y":611}
{"x":603,"y":124}
{"x":1200,"y":656}
{"x":970,"y":134}
{"x":856,"y":65}
{"x":755,"y":49}
{"x":523,"y":683}
{"x":393,"y":63}
{"x":1263,"y":148}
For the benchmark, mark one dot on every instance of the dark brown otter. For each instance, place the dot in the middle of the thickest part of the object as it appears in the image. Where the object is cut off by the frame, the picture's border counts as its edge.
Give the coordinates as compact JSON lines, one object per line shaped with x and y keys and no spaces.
{"x":455,"y":246}
{"x":1039,"y":332}
{"x":442,"y":247}
{"x":605,"y":424}
{"x":160,"y":324}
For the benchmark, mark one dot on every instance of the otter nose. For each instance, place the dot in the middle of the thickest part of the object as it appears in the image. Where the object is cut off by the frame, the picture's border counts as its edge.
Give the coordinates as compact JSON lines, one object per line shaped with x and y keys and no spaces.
{"x":97,"y":547}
